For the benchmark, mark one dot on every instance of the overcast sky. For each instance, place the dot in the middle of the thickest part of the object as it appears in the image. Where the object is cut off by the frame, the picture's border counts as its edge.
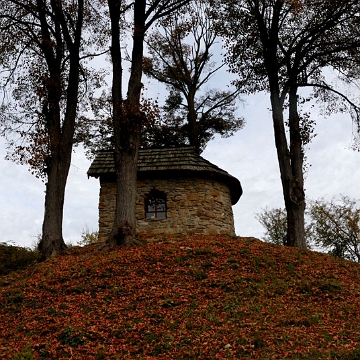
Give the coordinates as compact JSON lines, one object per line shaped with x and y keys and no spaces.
{"x":249,"y":155}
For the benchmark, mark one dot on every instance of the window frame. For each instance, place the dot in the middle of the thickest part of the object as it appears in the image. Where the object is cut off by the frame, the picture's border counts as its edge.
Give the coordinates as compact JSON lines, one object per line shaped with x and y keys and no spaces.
{"x":155,"y":198}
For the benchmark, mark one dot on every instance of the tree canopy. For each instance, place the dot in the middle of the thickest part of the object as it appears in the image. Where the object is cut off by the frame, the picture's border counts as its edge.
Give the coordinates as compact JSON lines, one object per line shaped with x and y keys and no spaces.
{"x":43,"y":81}
{"x":181,"y":57}
{"x":34,"y":48}
{"x":332,"y":226}
{"x":279,"y":46}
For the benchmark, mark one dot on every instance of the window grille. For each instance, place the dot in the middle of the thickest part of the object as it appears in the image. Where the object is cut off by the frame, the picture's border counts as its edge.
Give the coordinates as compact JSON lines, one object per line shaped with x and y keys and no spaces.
{"x":155,"y":205}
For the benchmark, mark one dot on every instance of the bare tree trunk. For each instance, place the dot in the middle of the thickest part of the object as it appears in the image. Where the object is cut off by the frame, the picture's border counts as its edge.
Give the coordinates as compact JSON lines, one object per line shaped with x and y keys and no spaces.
{"x":52,"y":242}
{"x":193,"y":131}
{"x":58,"y":165}
{"x":124,"y":230}
{"x":290,"y":164}
{"x":295,"y":204}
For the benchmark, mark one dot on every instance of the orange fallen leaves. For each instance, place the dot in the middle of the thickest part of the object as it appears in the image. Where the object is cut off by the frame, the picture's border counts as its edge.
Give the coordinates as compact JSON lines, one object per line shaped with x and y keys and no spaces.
{"x":197,"y":297}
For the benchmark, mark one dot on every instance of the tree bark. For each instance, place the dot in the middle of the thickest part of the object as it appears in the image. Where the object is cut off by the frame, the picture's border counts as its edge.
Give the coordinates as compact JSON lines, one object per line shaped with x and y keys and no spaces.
{"x":61,"y":139}
{"x":52,"y":242}
{"x":291,"y":169}
{"x":124,"y":230}
{"x":193,"y":130}
{"x":127,"y":125}
{"x":295,"y":202}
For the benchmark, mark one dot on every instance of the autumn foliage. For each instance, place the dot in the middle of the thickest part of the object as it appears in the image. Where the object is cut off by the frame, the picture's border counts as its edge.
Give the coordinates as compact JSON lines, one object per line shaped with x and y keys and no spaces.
{"x":186,"y":297}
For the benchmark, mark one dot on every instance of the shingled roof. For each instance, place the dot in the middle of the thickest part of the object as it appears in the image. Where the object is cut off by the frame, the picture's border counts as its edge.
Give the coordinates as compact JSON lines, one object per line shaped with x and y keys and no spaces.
{"x":176,"y":161}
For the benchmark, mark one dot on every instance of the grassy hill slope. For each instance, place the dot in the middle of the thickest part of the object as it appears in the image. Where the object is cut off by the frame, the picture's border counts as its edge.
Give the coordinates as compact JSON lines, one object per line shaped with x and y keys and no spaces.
{"x":195,"y":297}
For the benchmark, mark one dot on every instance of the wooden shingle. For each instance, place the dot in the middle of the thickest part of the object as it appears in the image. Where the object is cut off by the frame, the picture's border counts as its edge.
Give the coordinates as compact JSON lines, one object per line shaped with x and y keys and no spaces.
{"x":169,"y":161}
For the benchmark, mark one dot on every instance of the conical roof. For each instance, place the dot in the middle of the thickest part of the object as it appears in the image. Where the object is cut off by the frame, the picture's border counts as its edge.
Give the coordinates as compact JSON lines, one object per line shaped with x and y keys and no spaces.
{"x":182,"y":161}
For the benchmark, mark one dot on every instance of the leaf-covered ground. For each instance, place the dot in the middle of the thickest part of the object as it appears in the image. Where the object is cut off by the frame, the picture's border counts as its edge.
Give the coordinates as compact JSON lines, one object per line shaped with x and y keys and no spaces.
{"x":196,"y":297}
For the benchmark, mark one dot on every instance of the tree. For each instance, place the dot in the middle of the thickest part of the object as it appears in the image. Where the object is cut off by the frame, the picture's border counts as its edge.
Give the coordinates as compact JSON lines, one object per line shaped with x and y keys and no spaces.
{"x":127,"y":116}
{"x":88,"y":237}
{"x":42,"y":45}
{"x":274,"y":222}
{"x":185,"y":69}
{"x":281,"y":46}
{"x":335,"y":225}
{"x":331,"y":225}
{"x":167,"y":129}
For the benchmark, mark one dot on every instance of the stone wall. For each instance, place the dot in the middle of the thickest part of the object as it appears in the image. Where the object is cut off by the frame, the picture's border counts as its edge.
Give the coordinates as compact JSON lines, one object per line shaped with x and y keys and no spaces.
{"x":197,"y":206}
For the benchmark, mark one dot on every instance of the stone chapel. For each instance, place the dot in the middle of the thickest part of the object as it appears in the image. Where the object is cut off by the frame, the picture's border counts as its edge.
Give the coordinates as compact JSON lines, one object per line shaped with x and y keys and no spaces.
{"x":178,"y":191}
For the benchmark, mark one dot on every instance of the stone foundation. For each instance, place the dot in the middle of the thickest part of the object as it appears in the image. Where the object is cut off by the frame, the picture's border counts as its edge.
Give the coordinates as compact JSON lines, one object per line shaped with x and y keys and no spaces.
{"x":195,"y":206}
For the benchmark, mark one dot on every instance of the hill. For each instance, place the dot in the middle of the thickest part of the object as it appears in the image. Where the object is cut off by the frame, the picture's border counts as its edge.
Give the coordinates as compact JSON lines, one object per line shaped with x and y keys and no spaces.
{"x":194,"y":297}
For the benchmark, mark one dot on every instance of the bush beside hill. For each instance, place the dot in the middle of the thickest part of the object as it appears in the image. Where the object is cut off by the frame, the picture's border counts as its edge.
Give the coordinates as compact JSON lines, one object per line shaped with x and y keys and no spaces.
{"x":13,"y":257}
{"x":191,"y":297}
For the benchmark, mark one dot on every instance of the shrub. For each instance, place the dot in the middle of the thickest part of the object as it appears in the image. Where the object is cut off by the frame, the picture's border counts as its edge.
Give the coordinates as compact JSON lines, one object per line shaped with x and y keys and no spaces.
{"x":88,"y":238}
{"x":13,"y":257}
{"x":334,"y":226}
{"x":274,"y":221}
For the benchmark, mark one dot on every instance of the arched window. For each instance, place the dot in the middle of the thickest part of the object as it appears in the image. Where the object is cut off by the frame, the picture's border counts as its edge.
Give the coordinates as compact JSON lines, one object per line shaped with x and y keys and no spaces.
{"x":155,"y":205}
